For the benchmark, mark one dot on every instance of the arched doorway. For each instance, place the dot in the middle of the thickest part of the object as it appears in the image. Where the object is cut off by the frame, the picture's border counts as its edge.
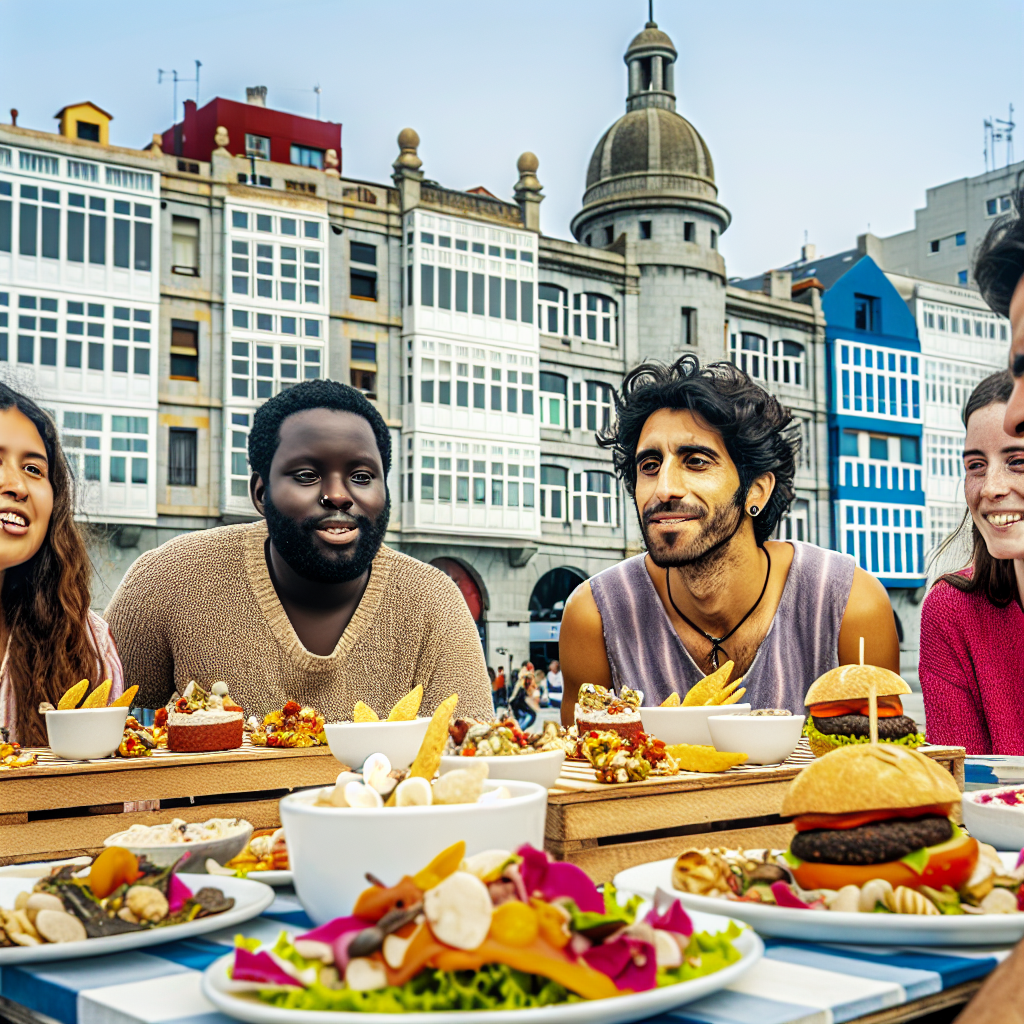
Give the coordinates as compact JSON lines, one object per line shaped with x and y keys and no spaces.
{"x":547,"y":602}
{"x":468,"y":587}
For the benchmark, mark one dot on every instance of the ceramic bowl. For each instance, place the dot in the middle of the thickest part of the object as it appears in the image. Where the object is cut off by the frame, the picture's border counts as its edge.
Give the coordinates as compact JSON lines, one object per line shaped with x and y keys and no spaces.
{"x":997,"y":823}
{"x":353,"y":742}
{"x":85,"y":734}
{"x":765,"y":739}
{"x":332,"y":848}
{"x":685,"y":725}
{"x":542,"y":767}
{"x":163,"y":855}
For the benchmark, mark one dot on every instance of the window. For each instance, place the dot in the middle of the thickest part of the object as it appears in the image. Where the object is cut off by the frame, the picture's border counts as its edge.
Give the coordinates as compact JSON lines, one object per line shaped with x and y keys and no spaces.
{"x":360,"y":252}
{"x":878,"y":448}
{"x":494,"y":297}
{"x":306,"y":156}
{"x":554,"y":483}
{"x":714,"y":239}
{"x":97,"y":232}
{"x":184,"y":350}
{"x":961,"y":238}
{"x":645,"y":229}
{"x":363,"y":284}
{"x":788,"y":363}
{"x":910,"y":449}
{"x":364,"y":381}
{"x":28,"y":224}
{"x":599,"y":405}
{"x":689,"y":231}
{"x":601,"y":319}
{"x":593,"y":498}
{"x":689,"y":326}
{"x":752,"y":354}
{"x":239,"y":460}
{"x":865,"y":313}
{"x":609,"y":234}
{"x":181,"y":456}
{"x":553,"y":309}
{"x":185,"y":246}
{"x":51,"y":225}
{"x":961,"y":277}
{"x":933,"y":246}
{"x":138,"y":446}
{"x":848,"y":443}
{"x":257,"y":147}
{"x":552,"y":401}
{"x":991,"y":207}
{"x":5,"y":217}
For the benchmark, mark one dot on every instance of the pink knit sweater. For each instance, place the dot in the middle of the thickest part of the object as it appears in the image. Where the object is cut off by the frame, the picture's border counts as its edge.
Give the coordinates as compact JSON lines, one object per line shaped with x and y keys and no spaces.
{"x":972,"y":671}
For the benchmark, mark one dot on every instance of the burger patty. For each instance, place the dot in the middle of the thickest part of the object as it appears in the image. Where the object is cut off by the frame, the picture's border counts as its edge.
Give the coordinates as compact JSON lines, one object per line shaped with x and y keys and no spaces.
{"x":860,"y":725}
{"x":875,"y":843}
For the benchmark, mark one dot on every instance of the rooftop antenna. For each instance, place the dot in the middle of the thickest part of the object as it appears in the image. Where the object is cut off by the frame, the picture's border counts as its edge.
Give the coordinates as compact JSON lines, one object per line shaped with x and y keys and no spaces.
{"x":998,"y":130}
{"x":650,"y":10}
{"x":318,"y":91}
{"x":160,"y":74}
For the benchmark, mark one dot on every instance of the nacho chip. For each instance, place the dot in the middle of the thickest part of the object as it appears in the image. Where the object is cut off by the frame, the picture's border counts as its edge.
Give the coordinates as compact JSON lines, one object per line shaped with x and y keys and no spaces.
{"x":428,"y":760}
{"x":364,"y":713}
{"x":736,"y":697}
{"x":671,"y":701}
{"x":72,"y":696}
{"x":691,"y":758}
{"x":405,"y":710}
{"x":702,"y":693}
{"x":126,"y":698}
{"x":98,"y":697}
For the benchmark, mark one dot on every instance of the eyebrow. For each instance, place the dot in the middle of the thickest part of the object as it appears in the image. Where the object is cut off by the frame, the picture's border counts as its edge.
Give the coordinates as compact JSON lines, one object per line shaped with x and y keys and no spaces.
{"x":1002,"y":451}
{"x":682,"y":449}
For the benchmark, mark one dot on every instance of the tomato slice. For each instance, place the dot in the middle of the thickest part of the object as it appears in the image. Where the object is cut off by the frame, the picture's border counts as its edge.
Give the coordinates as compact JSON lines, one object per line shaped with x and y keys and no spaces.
{"x":805,"y":822}
{"x":888,"y":707}
{"x":950,"y":863}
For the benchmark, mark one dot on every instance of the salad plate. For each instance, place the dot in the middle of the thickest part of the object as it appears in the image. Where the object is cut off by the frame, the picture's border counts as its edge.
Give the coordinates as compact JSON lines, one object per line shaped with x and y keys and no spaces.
{"x":630,"y":1007}
{"x":834,"y":926}
{"x":251,"y":899}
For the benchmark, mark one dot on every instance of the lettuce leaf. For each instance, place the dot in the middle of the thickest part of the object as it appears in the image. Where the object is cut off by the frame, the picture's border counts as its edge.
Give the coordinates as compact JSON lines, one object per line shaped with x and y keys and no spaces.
{"x":912,"y":740}
{"x":614,"y":913}
{"x":706,"y":953}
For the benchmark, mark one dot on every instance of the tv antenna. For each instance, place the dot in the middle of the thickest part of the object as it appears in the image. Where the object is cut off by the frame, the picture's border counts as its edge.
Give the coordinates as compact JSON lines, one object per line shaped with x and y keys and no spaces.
{"x":318,"y":91}
{"x":998,"y":130}
{"x":173,"y":75}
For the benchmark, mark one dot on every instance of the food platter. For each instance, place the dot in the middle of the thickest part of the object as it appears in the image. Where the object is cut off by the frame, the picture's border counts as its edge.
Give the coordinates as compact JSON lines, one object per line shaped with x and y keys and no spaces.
{"x":624,"y":1008}
{"x":832,"y":926}
{"x":251,"y":899}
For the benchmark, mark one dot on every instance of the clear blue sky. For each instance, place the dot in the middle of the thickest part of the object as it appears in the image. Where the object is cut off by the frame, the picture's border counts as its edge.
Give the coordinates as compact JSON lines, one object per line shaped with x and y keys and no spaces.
{"x":824,"y":117}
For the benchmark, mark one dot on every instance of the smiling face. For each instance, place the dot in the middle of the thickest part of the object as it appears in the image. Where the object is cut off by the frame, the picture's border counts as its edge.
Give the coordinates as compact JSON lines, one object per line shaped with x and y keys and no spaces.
{"x":1014,"y":410}
{"x":994,"y":482}
{"x":26,"y":495}
{"x":688,"y":493}
{"x":331,"y":455}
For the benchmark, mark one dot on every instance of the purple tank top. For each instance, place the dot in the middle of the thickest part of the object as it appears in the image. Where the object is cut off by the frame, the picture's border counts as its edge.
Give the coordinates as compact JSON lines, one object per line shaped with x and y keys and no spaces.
{"x":802,"y":643}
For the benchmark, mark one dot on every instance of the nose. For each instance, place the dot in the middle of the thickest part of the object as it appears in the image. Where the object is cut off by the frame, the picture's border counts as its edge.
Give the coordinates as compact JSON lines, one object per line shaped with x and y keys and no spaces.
{"x":1013,"y":422}
{"x":334,"y":493}
{"x":997,"y":482}
{"x":12,"y":483}
{"x":669,"y":482}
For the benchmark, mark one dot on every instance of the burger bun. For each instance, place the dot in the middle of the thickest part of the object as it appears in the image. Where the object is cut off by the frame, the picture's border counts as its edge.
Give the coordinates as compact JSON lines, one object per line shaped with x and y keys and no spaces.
{"x":851,"y":682}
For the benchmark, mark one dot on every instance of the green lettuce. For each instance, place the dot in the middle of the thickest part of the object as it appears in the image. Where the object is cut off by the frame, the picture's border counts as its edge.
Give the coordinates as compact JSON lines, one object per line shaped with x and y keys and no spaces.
{"x":614,"y":912}
{"x":912,"y":740}
{"x":707,"y":952}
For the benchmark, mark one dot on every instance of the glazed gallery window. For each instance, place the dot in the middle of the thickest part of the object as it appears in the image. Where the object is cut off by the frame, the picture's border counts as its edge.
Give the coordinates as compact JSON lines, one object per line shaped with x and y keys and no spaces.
{"x":598,"y":406}
{"x":593,"y":498}
{"x":554,"y":481}
{"x":553,"y":309}
{"x":552,"y":401}
{"x":595,"y":317}
{"x":124,"y":467}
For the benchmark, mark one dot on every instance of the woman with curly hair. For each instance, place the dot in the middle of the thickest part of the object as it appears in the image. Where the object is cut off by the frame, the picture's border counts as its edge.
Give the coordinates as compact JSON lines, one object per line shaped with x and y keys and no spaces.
{"x":48,"y":635}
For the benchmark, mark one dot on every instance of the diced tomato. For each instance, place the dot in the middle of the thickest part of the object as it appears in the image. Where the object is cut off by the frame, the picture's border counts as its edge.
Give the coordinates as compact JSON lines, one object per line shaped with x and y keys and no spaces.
{"x":855,"y":819}
{"x":888,"y":707}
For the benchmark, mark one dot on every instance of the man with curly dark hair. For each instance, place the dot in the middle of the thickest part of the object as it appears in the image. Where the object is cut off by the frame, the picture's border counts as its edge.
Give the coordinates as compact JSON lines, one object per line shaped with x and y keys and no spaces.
{"x":709,"y":457}
{"x":307,"y":603}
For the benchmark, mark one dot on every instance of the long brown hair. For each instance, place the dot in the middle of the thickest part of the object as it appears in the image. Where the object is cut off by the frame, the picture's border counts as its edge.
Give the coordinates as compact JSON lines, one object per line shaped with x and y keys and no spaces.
{"x":45,"y":601}
{"x":994,"y":577}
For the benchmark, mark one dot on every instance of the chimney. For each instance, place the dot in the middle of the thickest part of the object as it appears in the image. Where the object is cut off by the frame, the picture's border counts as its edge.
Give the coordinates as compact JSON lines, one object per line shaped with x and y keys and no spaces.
{"x":871,"y":245}
{"x":808,"y":252}
{"x":14,"y":117}
{"x":256,"y":95}
{"x":778,"y":284}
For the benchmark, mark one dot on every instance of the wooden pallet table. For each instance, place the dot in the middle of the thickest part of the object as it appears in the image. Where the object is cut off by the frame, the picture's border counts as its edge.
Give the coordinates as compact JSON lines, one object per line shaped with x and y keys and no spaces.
{"x":607,"y":828}
{"x":63,"y":808}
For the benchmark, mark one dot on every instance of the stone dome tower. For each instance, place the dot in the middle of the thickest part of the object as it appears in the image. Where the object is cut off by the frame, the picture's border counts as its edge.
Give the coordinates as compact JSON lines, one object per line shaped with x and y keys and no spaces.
{"x":651,"y":179}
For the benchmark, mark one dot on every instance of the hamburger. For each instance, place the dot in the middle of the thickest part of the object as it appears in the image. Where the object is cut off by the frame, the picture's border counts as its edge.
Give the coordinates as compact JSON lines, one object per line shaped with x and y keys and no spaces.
{"x":877,"y":811}
{"x":838,"y":702}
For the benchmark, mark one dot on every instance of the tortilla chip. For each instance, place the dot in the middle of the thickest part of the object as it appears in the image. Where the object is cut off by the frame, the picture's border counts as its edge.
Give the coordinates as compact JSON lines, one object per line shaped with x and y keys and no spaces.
{"x":692,"y":758}
{"x":736,"y":697}
{"x":405,"y":710}
{"x":428,"y":760}
{"x":703,"y":692}
{"x":364,"y":713}
{"x":98,"y":698}
{"x":671,"y":701}
{"x":126,"y":698}
{"x":72,"y":696}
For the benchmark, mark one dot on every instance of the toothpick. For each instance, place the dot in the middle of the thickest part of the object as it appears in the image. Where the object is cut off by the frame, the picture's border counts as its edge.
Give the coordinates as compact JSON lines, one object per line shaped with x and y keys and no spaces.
{"x":872,"y":701}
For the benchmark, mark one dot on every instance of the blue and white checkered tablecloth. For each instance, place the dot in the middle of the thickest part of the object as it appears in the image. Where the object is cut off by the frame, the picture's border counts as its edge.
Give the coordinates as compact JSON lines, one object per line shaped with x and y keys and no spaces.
{"x":800,"y":982}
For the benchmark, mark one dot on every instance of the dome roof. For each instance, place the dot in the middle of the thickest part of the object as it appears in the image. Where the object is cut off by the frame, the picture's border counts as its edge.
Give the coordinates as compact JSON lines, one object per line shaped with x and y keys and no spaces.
{"x":651,"y":38}
{"x":651,"y":141}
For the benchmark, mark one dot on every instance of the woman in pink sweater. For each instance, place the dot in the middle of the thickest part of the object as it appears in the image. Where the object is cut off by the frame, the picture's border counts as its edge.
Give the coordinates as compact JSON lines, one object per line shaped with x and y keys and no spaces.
{"x":972,"y":624}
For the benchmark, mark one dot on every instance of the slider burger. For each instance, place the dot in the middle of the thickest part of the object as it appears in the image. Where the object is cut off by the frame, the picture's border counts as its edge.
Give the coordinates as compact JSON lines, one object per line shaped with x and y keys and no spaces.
{"x":837,"y":705}
{"x":877,"y":811}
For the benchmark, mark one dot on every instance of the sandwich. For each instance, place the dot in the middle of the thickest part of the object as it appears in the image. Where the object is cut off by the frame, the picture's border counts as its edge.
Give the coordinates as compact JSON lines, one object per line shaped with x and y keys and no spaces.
{"x":877,"y":811}
{"x":838,"y":702}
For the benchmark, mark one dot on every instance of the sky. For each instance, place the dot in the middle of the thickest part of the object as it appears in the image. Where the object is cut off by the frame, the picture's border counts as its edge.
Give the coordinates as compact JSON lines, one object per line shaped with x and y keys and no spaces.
{"x":824,"y":120}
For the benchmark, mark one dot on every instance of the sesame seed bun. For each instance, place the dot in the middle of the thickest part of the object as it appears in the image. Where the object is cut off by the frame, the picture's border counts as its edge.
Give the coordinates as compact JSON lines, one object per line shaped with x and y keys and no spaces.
{"x":848,"y":682}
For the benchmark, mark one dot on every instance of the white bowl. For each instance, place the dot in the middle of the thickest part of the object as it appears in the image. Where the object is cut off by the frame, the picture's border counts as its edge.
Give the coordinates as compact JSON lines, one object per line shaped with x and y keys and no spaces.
{"x":998,"y":824}
{"x":165,"y":854}
{"x":686,"y":725}
{"x":353,"y":742}
{"x":765,"y":739}
{"x":85,"y":734}
{"x":332,"y":848}
{"x":542,"y":767}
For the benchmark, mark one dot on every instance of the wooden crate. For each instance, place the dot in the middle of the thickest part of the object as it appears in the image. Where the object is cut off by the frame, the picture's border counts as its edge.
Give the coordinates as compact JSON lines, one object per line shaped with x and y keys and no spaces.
{"x":606,"y":828}
{"x":64,"y":808}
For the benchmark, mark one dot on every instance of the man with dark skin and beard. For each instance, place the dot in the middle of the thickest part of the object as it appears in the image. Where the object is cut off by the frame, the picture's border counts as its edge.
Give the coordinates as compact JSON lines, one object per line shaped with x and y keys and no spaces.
{"x":709,"y":458}
{"x":306,"y":604}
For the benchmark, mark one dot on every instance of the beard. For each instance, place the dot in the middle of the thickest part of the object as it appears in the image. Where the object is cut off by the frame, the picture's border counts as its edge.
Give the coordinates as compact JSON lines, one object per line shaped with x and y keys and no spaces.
{"x":296,"y":542}
{"x":717,"y":528}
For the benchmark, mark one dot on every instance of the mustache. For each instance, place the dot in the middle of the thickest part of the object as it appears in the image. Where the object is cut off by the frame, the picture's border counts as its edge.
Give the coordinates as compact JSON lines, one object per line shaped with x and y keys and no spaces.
{"x":675,"y":505}
{"x":336,"y":518}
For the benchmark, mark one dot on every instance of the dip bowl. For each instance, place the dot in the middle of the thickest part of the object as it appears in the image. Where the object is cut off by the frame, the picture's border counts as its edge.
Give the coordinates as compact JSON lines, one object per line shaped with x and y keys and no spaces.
{"x":85,"y":734}
{"x":221,"y":849}
{"x":353,"y":742}
{"x":332,"y":848}
{"x":686,"y":725}
{"x":542,"y":766}
{"x":765,"y":739}
{"x":991,"y":819}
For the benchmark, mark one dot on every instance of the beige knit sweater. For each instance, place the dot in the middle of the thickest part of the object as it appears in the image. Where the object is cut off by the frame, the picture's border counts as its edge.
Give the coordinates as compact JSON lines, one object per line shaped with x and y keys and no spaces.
{"x":202,"y":606}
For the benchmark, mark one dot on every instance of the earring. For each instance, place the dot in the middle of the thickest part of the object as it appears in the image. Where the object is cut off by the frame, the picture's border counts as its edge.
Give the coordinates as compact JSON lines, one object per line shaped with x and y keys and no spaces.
{"x":754,"y":510}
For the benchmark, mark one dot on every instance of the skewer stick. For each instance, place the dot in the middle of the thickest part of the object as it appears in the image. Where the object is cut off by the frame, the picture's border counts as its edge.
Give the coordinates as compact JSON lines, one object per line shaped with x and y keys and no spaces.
{"x":872,"y":701}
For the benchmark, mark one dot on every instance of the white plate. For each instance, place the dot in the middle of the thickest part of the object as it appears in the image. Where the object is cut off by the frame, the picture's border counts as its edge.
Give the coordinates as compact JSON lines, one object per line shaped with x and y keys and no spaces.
{"x":274,"y":878}
{"x":596,"y":1011}
{"x":826,"y":926}
{"x":251,"y":899}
